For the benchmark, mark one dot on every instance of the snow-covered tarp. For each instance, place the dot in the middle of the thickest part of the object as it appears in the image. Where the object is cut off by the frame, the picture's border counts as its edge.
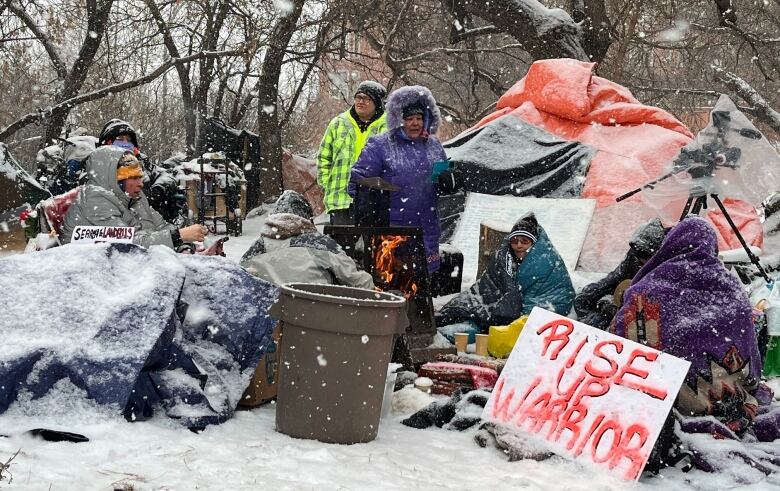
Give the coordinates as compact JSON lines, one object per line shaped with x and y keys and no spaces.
{"x":516,"y":158}
{"x":131,"y":330}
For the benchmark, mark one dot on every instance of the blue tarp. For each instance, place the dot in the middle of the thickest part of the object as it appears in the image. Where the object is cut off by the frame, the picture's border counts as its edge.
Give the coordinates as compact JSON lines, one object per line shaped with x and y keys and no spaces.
{"x":132,"y":329}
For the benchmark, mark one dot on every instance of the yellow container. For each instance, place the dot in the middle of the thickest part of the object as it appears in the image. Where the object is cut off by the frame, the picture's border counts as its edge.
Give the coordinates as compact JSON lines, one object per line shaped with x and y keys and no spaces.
{"x":501,"y":339}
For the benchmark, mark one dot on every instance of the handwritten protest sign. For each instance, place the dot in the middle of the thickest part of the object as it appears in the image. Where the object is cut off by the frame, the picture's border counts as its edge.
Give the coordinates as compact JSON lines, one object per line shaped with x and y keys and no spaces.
{"x":89,"y":234}
{"x":586,"y":394}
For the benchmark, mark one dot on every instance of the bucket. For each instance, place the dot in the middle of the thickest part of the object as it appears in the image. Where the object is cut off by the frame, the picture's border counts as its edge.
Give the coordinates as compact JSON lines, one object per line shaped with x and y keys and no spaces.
{"x":502,"y":339}
{"x":335,"y":349}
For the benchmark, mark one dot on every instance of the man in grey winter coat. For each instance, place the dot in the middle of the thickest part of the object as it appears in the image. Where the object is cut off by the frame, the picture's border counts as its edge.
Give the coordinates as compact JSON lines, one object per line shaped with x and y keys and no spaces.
{"x":113,"y":196}
{"x":290,"y":249}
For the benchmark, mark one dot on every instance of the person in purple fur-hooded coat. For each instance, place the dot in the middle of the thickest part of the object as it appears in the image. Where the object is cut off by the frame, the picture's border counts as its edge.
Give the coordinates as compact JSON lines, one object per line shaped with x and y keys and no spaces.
{"x":684,"y":302}
{"x":404,"y":156}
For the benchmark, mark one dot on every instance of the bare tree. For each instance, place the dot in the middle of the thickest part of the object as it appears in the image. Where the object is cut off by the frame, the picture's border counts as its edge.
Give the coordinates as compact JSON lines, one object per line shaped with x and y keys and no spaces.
{"x":71,"y":79}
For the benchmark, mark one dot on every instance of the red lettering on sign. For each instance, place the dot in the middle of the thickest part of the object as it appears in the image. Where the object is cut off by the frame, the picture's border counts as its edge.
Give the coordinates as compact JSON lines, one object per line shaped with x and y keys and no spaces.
{"x":501,"y":409}
{"x":597,"y":352}
{"x":535,"y":411}
{"x":583,"y":441}
{"x":571,"y":421}
{"x":551,"y":414}
{"x":573,"y":388}
{"x":594,"y":387}
{"x":628,"y":368}
{"x":501,"y":406}
{"x":633,"y":453}
{"x":616,"y":430}
{"x":561,"y":337}
{"x":573,"y":356}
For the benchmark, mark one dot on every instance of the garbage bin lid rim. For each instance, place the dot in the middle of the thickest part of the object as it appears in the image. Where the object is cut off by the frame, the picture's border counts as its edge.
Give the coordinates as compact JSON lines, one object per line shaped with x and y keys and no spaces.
{"x":341,"y":293}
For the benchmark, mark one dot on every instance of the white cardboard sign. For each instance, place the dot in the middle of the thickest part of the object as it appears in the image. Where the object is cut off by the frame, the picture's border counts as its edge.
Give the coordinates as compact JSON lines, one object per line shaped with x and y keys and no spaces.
{"x":566,"y":222}
{"x":90,"y":234}
{"x":586,"y":394}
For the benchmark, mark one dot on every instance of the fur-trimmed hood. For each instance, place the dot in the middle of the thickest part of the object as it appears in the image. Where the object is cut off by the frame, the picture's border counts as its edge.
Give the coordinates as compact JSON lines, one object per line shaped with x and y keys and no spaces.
{"x":404,"y":96}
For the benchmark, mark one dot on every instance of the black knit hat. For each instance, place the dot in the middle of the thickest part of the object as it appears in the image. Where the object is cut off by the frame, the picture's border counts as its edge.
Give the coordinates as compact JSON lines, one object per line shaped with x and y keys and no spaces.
{"x":527,"y":226}
{"x":648,"y":237}
{"x":295,"y":203}
{"x":375,"y":91}
{"x":114,"y":128}
{"x":413,"y":109}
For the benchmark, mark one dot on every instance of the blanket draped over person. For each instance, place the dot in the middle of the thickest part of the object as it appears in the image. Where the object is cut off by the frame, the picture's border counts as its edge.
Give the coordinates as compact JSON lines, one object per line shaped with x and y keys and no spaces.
{"x":290,"y":249}
{"x":508,"y":290}
{"x":684,"y":302}
{"x":408,"y":163}
{"x":130,"y":331}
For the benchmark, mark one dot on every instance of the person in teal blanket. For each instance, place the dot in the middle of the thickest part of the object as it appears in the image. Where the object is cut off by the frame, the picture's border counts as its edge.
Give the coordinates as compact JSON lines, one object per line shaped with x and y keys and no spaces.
{"x":525,"y":272}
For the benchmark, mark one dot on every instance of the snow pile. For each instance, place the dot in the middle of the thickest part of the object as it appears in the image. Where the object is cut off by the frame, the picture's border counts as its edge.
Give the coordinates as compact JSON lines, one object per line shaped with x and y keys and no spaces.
{"x":132,"y":329}
{"x":410,"y":400}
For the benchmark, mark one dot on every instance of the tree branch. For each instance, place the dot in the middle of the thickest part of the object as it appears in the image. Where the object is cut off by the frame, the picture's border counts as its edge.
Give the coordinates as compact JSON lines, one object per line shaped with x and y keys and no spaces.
{"x":394,"y":30}
{"x":105,"y":91}
{"x":434,"y":51}
{"x":464,"y":34}
{"x":54,"y":55}
{"x":763,"y":111}
{"x":671,"y":90}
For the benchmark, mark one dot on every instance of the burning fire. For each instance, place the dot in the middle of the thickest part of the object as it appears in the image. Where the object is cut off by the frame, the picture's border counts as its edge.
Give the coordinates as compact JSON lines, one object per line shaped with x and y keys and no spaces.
{"x":393,"y":273}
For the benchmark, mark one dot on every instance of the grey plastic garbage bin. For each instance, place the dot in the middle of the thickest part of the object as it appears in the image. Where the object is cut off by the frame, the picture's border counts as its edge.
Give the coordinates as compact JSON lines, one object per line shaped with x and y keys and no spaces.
{"x":335,"y":347}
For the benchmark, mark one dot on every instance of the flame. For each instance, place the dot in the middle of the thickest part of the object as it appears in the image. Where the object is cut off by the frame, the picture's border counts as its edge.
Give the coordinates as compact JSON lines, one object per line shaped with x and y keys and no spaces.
{"x":386,"y":266}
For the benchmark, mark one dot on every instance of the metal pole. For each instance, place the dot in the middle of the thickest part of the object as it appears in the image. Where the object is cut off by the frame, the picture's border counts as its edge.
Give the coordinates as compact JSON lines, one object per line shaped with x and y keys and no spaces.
{"x":753,"y":258}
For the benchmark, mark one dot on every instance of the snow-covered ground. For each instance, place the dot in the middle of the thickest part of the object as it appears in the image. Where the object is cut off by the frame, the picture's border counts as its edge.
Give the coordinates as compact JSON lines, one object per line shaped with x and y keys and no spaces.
{"x":246,"y":453}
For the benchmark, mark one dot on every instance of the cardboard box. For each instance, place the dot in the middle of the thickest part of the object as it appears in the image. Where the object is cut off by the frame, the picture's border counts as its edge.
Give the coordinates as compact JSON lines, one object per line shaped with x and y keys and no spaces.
{"x":263,"y":386}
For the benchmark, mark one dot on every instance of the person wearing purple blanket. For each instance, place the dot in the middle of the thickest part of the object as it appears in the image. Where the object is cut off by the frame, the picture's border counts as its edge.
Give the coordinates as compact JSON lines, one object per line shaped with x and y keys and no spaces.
{"x":404,"y":156}
{"x":684,"y":302}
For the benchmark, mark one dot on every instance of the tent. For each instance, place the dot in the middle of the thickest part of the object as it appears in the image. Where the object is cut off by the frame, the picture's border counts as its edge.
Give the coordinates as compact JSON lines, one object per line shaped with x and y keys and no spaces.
{"x":563,"y":132}
{"x":132,"y":331}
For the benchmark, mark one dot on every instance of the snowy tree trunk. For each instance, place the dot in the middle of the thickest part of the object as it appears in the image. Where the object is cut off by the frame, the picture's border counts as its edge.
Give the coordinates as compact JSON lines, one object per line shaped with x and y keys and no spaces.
{"x":543,"y":33}
{"x":266,"y":180}
{"x":592,"y":16}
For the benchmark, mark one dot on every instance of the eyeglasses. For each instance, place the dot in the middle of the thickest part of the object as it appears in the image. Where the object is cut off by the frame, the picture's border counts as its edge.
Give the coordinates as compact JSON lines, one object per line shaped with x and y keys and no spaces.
{"x":520,"y":240}
{"x":362,"y":98}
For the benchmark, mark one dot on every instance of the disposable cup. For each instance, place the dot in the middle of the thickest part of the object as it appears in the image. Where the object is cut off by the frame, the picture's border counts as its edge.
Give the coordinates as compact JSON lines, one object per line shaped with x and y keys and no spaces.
{"x":482,"y":344}
{"x":461,"y":341}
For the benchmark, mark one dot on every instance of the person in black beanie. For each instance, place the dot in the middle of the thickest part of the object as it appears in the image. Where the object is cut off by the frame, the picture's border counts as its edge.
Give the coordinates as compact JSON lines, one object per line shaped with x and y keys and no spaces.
{"x":597,"y":303}
{"x":344,"y":139}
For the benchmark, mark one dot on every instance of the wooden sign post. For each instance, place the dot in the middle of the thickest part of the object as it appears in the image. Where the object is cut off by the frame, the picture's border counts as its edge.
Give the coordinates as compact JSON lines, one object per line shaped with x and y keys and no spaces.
{"x":586,"y":394}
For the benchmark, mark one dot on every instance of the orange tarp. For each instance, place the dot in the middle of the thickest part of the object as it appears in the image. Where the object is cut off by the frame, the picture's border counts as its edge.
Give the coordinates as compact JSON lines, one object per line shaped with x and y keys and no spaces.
{"x":635,"y":143}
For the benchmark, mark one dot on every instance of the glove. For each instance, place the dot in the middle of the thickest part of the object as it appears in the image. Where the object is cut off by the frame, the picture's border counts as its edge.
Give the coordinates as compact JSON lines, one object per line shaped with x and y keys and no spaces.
{"x":438,"y":167}
{"x":450,"y":181}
